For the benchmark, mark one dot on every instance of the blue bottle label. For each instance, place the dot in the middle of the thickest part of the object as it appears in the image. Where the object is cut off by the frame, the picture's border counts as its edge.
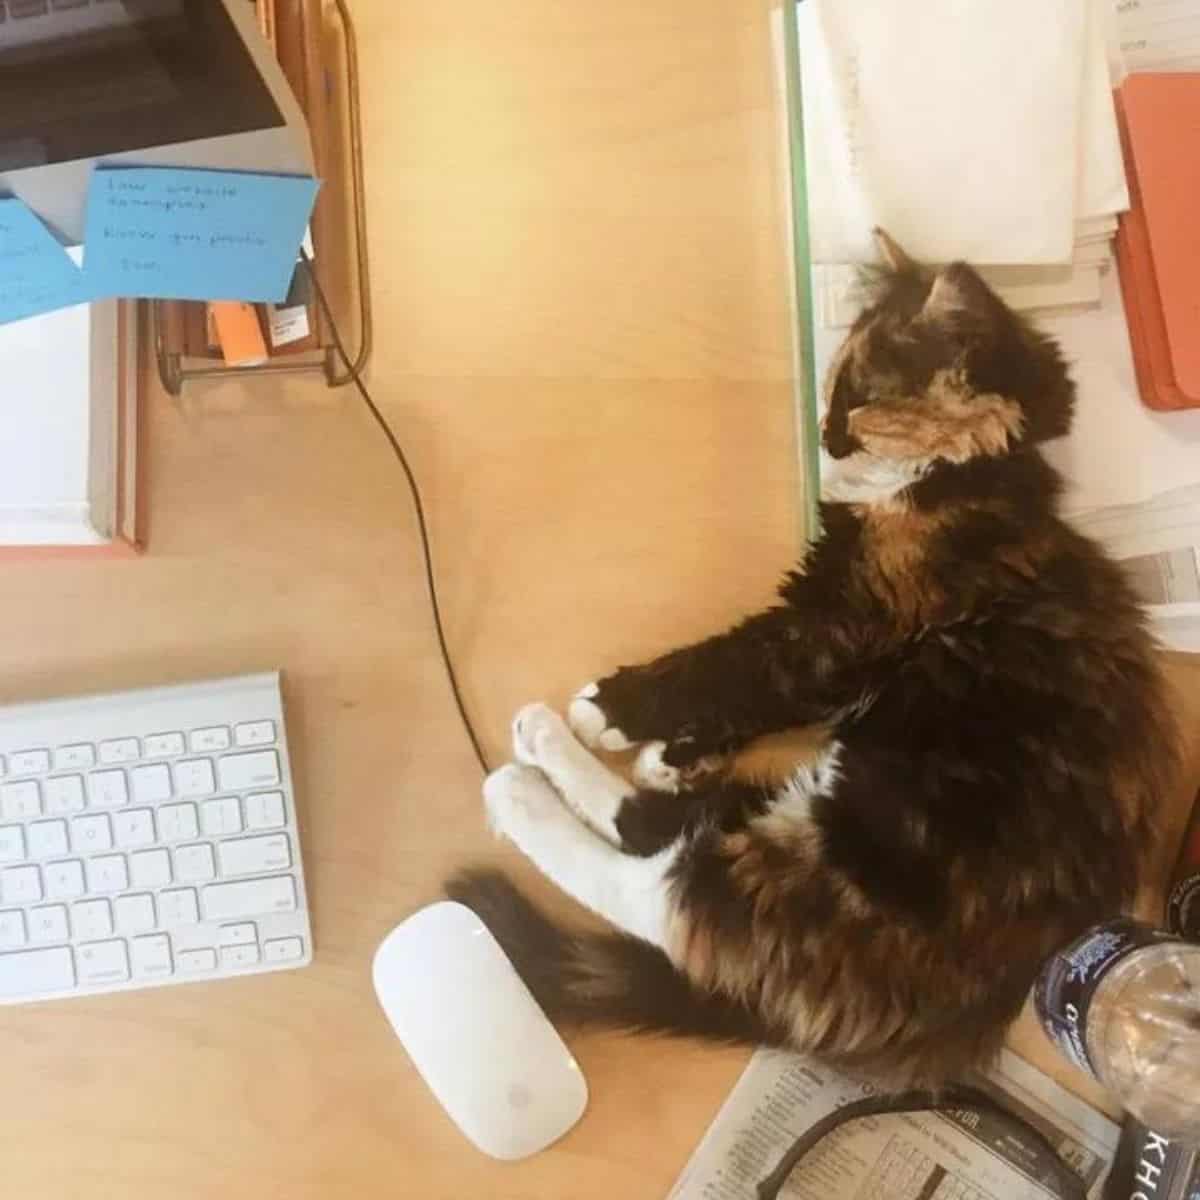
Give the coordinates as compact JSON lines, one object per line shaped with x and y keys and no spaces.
{"x":1183,"y":908}
{"x":1068,"y":982}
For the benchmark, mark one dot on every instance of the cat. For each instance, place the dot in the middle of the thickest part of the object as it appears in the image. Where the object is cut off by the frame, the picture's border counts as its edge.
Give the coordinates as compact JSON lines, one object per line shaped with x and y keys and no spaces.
{"x":993,"y":738}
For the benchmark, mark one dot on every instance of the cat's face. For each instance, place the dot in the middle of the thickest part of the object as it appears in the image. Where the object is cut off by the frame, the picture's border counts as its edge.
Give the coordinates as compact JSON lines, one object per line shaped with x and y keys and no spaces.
{"x":939,"y":370}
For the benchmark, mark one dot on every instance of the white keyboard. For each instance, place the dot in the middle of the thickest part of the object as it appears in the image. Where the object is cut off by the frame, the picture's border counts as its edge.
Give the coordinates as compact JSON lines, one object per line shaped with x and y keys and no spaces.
{"x":146,"y":838}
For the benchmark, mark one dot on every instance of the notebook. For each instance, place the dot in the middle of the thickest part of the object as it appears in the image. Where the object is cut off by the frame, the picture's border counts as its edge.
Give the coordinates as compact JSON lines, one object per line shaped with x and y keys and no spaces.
{"x":1158,"y":245}
{"x":68,"y":412}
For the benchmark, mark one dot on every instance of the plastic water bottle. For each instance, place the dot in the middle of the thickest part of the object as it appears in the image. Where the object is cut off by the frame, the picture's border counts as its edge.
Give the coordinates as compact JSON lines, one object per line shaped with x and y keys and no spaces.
{"x":1183,"y":898}
{"x":1123,"y":1003}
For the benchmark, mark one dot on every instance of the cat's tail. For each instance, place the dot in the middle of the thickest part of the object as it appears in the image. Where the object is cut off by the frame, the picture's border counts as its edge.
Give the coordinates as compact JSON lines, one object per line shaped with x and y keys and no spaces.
{"x":582,"y":977}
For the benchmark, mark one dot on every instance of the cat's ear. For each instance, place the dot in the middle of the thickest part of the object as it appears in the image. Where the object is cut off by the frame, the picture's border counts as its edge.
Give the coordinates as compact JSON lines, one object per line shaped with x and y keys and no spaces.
{"x":892,"y":253}
{"x":960,"y":299}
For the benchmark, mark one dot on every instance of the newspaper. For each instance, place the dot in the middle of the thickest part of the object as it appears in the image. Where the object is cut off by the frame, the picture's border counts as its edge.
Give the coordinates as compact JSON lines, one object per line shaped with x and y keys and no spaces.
{"x":926,"y":1156}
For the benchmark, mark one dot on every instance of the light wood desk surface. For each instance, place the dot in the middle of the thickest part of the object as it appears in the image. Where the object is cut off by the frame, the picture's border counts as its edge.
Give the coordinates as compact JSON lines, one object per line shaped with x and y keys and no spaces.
{"x":582,"y":318}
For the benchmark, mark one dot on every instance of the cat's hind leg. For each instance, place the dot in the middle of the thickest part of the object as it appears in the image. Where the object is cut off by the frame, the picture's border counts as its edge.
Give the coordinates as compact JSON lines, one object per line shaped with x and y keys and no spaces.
{"x":632,"y":893}
{"x":638,"y":820}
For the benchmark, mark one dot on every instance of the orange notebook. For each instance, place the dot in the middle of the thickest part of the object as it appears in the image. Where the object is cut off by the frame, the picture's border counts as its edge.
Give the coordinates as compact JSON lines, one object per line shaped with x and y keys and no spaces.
{"x":1158,"y":242}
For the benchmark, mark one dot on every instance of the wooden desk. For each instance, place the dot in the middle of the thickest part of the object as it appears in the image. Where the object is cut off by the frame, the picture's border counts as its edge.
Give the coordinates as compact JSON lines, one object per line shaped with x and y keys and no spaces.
{"x":583,"y":339}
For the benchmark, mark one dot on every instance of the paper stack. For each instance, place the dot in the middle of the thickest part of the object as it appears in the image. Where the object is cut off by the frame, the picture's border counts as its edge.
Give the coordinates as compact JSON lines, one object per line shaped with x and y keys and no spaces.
{"x":916,"y":120}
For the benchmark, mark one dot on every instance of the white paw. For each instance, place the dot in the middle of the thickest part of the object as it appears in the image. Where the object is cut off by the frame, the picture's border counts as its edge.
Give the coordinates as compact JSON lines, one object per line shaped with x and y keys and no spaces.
{"x":516,"y":799}
{"x":538,"y":731}
{"x":650,"y":771}
{"x":590,"y":724}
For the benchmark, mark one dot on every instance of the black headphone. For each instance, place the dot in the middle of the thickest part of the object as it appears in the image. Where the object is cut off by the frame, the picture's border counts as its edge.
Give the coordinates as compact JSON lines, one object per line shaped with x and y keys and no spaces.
{"x":1052,"y":1170}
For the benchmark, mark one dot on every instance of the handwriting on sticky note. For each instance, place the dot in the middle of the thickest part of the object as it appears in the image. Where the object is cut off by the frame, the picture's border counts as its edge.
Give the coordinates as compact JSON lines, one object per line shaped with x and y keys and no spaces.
{"x":36,"y":276}
{"x":195,"y":235}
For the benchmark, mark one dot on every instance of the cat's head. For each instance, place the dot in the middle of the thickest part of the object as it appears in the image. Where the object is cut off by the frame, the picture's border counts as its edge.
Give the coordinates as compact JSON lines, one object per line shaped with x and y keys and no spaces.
{"x":939,"y":370}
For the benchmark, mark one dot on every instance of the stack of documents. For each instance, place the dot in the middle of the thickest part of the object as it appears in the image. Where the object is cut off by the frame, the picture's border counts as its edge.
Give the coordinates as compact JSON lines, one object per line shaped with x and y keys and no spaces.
{"x":916,"y":120}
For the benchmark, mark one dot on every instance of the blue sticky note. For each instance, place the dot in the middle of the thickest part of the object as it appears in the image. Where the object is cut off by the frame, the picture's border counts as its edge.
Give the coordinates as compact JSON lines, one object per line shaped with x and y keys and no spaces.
{"x":175,"y":234}
{"x":36,"y":275}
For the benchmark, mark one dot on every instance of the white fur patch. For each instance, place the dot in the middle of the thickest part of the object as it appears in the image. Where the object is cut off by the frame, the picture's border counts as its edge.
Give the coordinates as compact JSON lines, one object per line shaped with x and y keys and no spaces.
{"x":630,"y":892}
{"x":650,"y":771}
{"x":861,"y":478}
{"x":593,"y":792}
{"x":810,"y":781}
{"x":586,"y":718}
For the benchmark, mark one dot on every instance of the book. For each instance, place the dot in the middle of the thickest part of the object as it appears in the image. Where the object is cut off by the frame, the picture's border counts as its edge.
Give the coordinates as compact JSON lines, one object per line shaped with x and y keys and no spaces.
{"x":69,"y":461}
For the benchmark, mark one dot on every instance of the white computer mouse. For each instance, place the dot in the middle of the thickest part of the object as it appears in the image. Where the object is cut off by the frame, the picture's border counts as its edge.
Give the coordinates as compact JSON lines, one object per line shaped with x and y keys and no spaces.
{"x":476,"y":1034}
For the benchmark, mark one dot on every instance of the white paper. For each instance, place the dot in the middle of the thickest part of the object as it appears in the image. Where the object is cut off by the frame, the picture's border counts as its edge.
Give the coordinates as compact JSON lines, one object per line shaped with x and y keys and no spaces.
{"x":917,"y":121}
{"x":1119,"y":451}
{"x":287,"y":325}
{"x":45,"y":418}
{"x":1102,"y":186}
{"x":1159,"y":35}
{"x":780,"y":1096}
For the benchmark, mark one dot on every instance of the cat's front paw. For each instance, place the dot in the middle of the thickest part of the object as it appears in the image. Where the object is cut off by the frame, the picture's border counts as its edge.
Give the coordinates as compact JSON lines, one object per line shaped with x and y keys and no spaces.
{"x":592,"y":725}
{"x":517,"y":798}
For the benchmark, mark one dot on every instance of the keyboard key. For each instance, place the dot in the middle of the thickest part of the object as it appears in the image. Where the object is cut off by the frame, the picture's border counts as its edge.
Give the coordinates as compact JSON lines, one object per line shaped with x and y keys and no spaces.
{"x":107,"y":873}
{"x":75,"y":758}
{"x":91,"y":919}
{"x":19,"y":801}
{"x":12,"y":844}
{"x":64,"y":880}
{"x":20,"y":885}
{"x":151,"y":955}
{"x":12,"y":929}
{"x":238,"y":935}
{"x":29,"y":762}
{"x":204,"y":741}
{"x":64,"y":794}
{"x":133,"y":828}
{"x":177,"y":822}
{"x":91,"y":834}
{"x":102,"y":962}
{"x":151,"y":784}
{"x":234,"y":957}
{"x":107,"y":789}
{"x":265,"y":811}
{"x":178,"y":907}
{"x":47,"y":839}
{"x":254,"y":856}
{"x":194,"y":864}
{"x":48,"y":924}
{"x":196,"y":960}
{"x":150,"y":869}
{"x":164,"y":745}
{"x":194,"y":777}
{"x":120,"y":750}
{"x":32,"y":972}
{"x":238,"y":772}
{"x":220,"y":818}
{"x":249,"y":897}
{"x":283,"y":949}
{"x":255,"y":733}
{"x":134,"y":914}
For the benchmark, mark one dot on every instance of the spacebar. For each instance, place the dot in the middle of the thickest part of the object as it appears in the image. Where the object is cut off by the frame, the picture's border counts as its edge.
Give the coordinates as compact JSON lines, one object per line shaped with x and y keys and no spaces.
{"x":32,"y":972}
{"x":249,"y":897}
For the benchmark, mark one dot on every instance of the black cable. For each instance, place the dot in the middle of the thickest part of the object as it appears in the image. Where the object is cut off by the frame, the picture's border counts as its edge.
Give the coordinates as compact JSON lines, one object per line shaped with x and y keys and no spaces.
{"x":418,"y":508}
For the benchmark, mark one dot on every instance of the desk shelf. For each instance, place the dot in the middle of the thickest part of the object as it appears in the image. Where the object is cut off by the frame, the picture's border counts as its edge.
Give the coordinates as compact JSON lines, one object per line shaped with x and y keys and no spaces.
{"x":323,"y":72}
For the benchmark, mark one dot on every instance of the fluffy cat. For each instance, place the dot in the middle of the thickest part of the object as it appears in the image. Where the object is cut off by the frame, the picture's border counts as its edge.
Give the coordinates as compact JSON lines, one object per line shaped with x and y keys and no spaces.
{"x":993,"y":738}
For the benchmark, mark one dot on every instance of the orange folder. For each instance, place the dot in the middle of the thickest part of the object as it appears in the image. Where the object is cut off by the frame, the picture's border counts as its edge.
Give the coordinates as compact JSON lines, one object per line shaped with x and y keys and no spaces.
{"x":1158,"y":242}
